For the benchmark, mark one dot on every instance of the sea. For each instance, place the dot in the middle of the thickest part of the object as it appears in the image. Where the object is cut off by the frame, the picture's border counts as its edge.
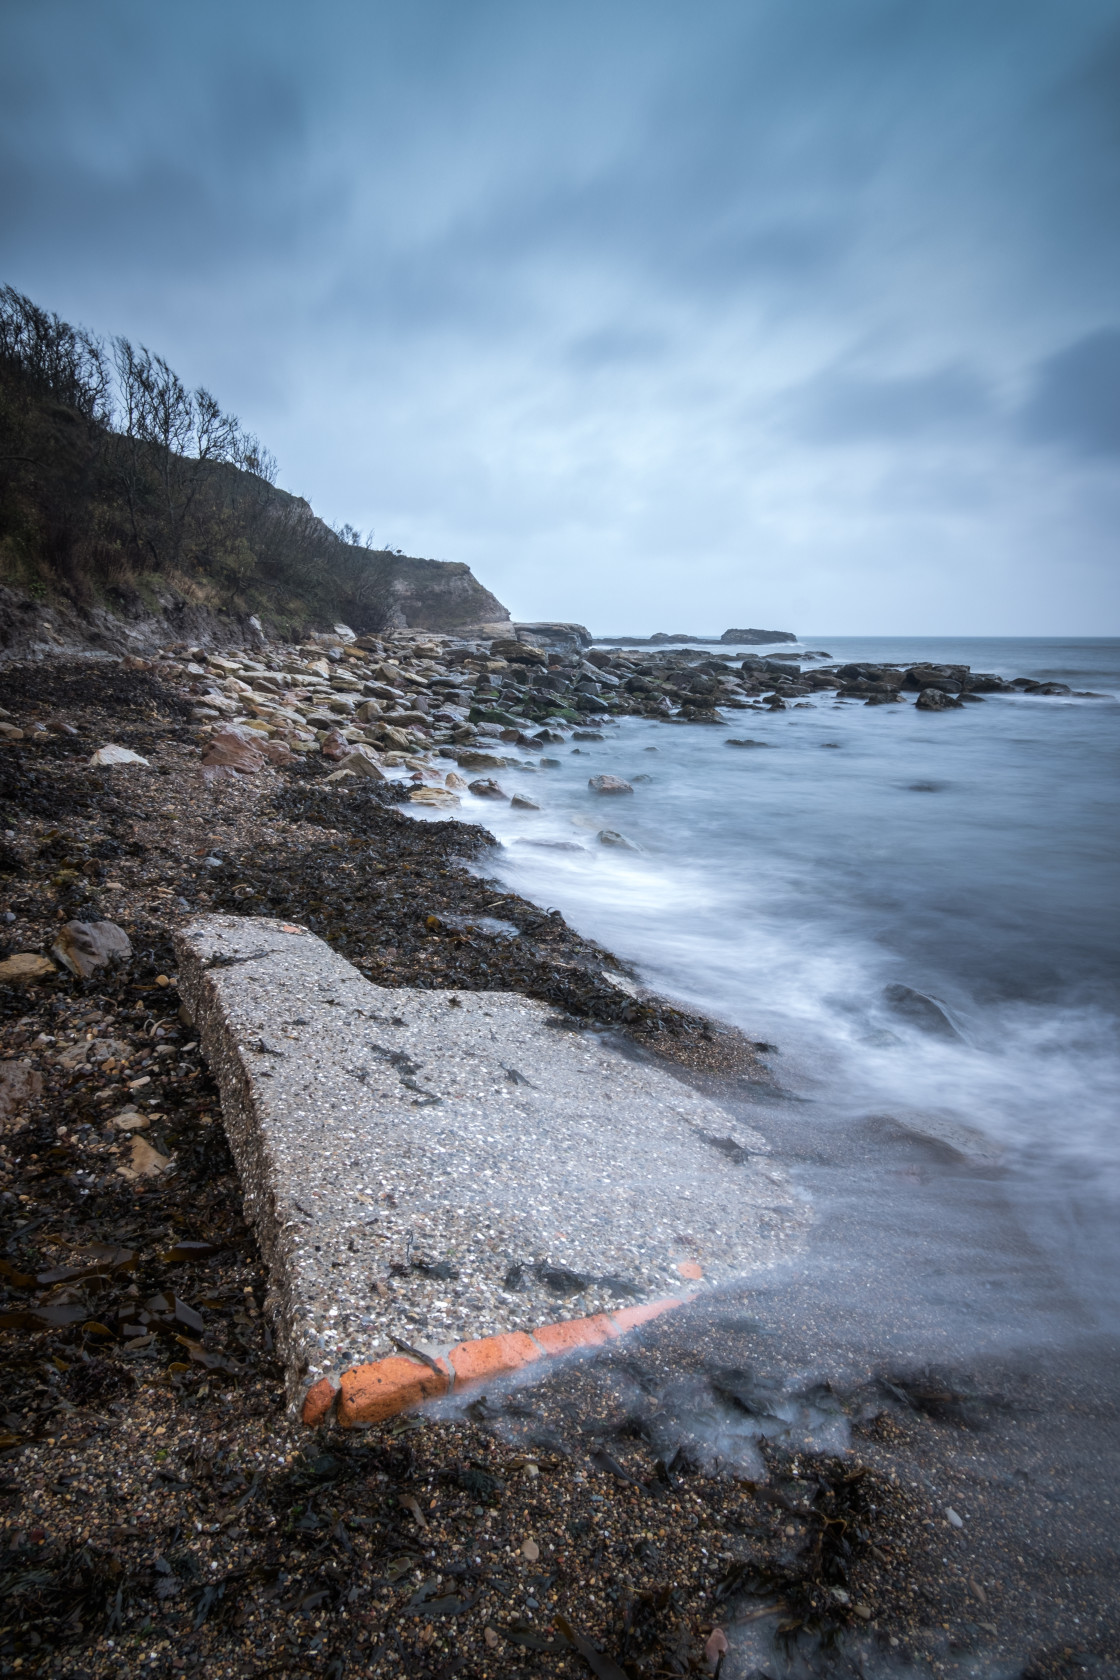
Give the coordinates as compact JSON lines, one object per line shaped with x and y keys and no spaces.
{"x":968,"y":855}
{"x":959,"y":1159}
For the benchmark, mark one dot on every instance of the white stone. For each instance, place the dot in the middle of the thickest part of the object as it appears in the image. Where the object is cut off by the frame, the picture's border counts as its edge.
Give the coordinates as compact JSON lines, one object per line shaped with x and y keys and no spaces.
{"x":115,"y":755}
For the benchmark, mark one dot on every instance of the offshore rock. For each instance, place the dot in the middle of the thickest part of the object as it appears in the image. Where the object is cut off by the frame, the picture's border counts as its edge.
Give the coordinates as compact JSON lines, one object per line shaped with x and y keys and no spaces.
{"x":609,"y":785}
{"x":935,"y":700}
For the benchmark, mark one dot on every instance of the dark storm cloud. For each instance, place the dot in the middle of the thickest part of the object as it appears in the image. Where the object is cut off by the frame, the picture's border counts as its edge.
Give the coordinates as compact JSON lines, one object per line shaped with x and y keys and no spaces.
{"x":593,"y":296}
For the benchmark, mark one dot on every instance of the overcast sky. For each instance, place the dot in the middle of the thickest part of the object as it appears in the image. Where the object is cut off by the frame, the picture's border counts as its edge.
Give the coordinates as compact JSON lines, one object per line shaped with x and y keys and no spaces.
{"x":793,"y":313}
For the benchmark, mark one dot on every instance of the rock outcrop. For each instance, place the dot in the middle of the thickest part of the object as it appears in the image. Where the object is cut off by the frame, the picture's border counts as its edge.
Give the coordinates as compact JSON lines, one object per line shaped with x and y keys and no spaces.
{"x":663,"y":638}
{"x":440,"y":595}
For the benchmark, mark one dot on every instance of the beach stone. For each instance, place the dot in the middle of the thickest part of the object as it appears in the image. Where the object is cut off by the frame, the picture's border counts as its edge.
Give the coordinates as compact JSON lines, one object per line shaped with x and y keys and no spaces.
{"x":520,"y":803}
{"x":84,"y":947}
{"x":277,"y":752}
{"x":399,"y":738}
{"x":487,"y":788}
{"x":19,"y":1084}
{"x":110,"y":755}
{"x":9,"y":732}
{"x":24,"y":967}
{"x":361,"y":762}
{"x":334,"y":745}
{"x":235,"y":749}
{"x":611,"y":837}
{"x":609,"y":785}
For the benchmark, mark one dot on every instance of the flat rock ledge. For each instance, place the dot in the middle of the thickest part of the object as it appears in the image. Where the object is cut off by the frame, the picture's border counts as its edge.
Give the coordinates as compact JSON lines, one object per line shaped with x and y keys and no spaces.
{"x":448,"y":1186}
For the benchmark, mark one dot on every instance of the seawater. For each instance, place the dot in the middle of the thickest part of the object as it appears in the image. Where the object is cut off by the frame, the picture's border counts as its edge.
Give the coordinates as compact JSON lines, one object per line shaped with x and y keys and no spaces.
{"x":970,"y":855}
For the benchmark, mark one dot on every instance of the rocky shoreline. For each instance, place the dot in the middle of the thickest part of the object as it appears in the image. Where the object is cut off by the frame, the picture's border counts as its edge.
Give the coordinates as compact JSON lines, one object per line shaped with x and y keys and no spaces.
{"x":157,"y":1505}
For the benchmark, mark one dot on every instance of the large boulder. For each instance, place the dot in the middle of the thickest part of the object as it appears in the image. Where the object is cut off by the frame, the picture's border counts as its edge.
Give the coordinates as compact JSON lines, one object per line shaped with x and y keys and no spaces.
{"x":557,"y":638}
{"x":753,"y":638}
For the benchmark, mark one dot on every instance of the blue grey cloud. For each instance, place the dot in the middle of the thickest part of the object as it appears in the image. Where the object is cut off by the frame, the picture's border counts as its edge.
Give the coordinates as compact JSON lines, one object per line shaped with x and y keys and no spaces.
{"x":847,"y":408}
{"x":594,"y":296}
{"x":1076,"y":396}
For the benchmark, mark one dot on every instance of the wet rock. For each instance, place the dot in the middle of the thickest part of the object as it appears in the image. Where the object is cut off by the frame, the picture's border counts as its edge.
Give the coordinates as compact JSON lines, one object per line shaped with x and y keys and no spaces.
{"x":84,"y":947}
{"x":745,"y":741}
{"x":609,"y":785}
{"x":552,"y":845}
{"x":439,"y":796}
{"x":24,"y":967}
{"x":110,"y":755}
{"x":611,"y":837}
{"x":520,"y":803}
{"x":921,"y":1011}
{"x":983,"y":682}
{"x":487,"y":788}
{"x":950,"y":678}
{"x":470,"y":760}
{"x":1053,"y":688}
{"x":935,"y":700}
{"x":9,"y":732}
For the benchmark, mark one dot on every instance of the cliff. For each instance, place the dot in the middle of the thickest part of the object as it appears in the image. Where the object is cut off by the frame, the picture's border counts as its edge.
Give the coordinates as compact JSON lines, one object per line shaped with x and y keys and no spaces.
{"x":134,"y":511}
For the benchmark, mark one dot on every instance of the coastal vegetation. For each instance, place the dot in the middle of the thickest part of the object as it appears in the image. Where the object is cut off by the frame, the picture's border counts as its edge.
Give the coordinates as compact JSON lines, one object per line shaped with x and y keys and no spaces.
{"x":123,"y":488}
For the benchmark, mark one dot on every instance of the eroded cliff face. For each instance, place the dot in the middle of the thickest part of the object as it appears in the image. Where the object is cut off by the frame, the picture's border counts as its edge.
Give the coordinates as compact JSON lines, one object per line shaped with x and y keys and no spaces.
{"x":410,"y":594}
{"x":439,"y":595}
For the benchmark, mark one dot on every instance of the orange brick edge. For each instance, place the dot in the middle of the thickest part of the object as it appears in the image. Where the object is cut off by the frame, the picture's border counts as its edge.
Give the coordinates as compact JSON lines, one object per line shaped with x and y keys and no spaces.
{"x":373,"y":1392}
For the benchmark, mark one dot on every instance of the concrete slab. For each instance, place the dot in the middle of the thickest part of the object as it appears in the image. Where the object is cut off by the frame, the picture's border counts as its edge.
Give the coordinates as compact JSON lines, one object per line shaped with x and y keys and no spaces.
{"x":445,"y":1185}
